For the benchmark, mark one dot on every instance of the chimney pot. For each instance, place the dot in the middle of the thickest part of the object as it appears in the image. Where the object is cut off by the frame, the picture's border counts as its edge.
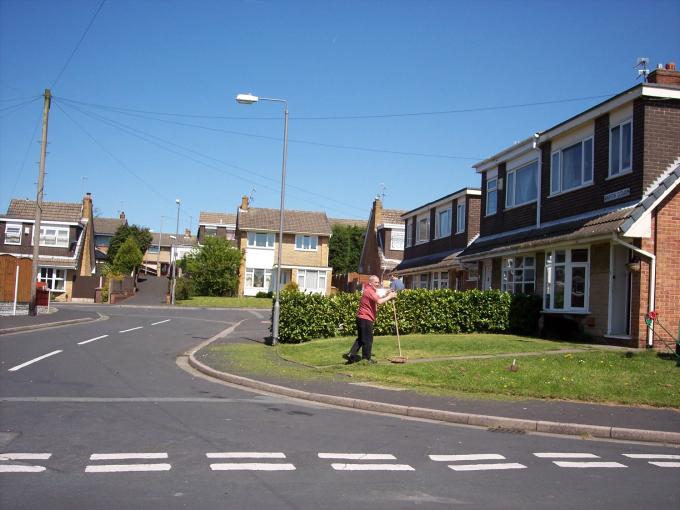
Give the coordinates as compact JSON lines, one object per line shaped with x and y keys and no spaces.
{"x":670,"y":66}
{"x":244,"y":203}
{"x":122,"y":215}
{"x":187,"y":232}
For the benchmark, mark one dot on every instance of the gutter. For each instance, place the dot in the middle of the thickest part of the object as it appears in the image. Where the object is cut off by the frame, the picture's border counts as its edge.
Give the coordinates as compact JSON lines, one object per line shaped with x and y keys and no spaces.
{"x":538,"y":178}
{"x":652,"y":283}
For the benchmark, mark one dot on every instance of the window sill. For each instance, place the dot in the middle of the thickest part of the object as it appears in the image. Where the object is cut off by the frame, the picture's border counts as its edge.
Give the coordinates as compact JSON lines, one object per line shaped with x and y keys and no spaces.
{"x":302,"y":249}
{"x":517,"y":206}
{"x":570,"y":190}
{"x":565,"y":311}
{"x":618,"y":337}
{"x":620,"y":174}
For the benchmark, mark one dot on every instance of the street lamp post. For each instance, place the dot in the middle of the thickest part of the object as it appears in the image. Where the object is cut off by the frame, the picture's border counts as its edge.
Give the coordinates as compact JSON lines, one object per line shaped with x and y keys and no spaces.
{"x":250,"y":99}
{"x":174,"y":257}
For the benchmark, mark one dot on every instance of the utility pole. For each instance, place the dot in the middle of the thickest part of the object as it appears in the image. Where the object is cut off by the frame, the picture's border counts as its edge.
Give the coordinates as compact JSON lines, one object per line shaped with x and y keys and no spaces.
{"x":32,"y":306}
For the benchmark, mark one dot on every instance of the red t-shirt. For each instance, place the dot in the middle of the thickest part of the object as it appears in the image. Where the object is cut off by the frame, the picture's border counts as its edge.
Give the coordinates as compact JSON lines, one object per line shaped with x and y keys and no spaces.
{"x":368,"y":306}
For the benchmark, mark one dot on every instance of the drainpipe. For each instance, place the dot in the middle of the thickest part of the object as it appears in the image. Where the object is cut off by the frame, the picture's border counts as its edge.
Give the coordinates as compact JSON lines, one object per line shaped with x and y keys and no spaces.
{"x":652,"y":283}
{"x":538,"y":179}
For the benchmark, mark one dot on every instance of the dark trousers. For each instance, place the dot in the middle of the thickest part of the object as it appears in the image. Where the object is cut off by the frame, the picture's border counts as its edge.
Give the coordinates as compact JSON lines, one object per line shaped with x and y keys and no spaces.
{"x":364,"y":339}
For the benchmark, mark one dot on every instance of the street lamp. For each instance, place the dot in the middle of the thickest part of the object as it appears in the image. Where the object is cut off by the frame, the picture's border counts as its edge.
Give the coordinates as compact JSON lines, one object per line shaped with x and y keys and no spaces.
{"x":250,"y":99}
{"x":174,"y":257}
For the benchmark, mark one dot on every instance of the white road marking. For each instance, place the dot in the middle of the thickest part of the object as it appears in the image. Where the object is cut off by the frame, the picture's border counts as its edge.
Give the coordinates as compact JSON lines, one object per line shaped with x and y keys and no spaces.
{"x":25,"y":456}
{"x":13,"y":369}
{"x":486,"y":467}
{"x":161,"y":322}
{"x":18,"y":468}
{"x":8,"y":468}
{"x":92,"y":340}
{"x":357,"y":456}
{"x":372,"y":467}
{"x":583,"y":465}
{"x":666,"y":464}
{"x":453,"y":458}
{"x":564,"y":455}
{"x":122,"y":468}
{"x":650,"y":456}
{"x":127,"y":456}
{"x":245,"y":455}
{"x":249,"y":466}
{"x":131,"y":329}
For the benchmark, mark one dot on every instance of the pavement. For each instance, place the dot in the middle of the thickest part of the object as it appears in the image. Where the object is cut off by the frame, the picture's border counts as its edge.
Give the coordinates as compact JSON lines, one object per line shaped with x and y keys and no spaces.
{"x":585,"y":420}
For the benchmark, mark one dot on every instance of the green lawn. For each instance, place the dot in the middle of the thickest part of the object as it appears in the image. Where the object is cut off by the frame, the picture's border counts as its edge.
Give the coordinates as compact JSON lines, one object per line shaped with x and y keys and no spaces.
{"x":226,"y":302}
{"x":636,"y":378}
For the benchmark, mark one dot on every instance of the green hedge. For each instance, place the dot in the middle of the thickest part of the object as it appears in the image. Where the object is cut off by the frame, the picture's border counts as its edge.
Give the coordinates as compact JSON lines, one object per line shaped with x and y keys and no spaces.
{"x":304,"y":317}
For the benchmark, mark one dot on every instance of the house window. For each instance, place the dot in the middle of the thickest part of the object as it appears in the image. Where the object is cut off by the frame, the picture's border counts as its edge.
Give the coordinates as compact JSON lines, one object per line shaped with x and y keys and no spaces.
{"x":460,"y":217}
{"x":423,"y":229}
{"x":261,"y":239}
{"x":54,"y":236}
{"x":409,"y":234}
{"x":102,"y":240}
{"x":443,"y":220}
{"x":153,"y":249}
{"x":491,"y":195}
{"x":397,"y":240}
{"x":440,"y":280}
{"x":424,"y":281}
{"x":258,"y":278}
{"x":572,"y":167}
{"x":519,"y":275}
{"x":306,"y":243}
{"x":521,"y":185}
{"x":210,"y":231}
{"x":566,"y":279}
{"x":309,"y":280}
{"x":621,"y":148}
{"x":12,"y":233}
{"x":54,"y":278}
{"x":472,"y":272}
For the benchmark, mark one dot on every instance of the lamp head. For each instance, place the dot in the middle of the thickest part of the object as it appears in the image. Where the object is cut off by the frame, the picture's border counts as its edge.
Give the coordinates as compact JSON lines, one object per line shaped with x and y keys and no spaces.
{"x":246,"y":98}
{"x":177,"y":201}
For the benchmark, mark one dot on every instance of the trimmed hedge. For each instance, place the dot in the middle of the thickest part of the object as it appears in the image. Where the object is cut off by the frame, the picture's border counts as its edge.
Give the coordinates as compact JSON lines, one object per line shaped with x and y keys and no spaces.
{"x":304,"y":317}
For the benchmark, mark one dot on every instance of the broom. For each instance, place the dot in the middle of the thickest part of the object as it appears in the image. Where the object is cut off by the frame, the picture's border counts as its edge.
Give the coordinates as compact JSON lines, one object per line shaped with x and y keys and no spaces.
{"x":400,"y":358}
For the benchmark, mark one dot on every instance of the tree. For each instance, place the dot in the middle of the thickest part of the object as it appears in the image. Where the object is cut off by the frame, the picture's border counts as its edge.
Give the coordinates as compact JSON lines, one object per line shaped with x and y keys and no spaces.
{"x":213,"y":268}
{"x":141,"y":236}
{"x":344,"y":248}
{"x":128,"y":257}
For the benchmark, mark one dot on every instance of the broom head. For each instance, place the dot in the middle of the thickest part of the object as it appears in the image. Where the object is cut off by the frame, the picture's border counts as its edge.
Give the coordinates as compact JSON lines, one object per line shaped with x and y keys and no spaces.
{"x":398,"y":359}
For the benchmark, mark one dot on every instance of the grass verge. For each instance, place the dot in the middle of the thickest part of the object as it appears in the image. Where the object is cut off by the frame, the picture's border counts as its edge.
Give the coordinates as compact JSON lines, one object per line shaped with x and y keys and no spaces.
{"x":226,"y":302}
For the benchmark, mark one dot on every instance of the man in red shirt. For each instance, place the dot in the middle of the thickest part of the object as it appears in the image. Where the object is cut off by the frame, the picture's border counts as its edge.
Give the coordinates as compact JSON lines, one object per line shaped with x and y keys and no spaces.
{"x":368,"y":307}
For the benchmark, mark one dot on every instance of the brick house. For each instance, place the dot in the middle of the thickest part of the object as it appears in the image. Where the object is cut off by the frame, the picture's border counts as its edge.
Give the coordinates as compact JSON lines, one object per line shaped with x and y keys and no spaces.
{"x":212,"y":224}
{"x":305,"y":249}
{"x":104,"y":230}
{"x":586,"y":215}
{"x":164,"y":246}
{"x":66,"y":241}
{"x":384,"y":241}
{"x":436,"y":233}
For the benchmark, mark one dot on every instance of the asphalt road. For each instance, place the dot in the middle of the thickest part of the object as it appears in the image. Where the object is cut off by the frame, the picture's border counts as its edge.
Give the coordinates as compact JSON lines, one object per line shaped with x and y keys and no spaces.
{"x":101,"y":416}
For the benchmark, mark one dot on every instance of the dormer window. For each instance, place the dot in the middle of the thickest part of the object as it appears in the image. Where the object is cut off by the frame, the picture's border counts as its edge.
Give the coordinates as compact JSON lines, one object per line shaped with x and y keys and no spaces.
{"x":12,"y":233}
{"x":443,"y":219}
{"x":621,"y":149}
{"x":54,"y":236}
{"x":572,"y":167}
{"x":409,"y":234}
{"x":460,"y":216}
{"x":423,"y":229}
{"x":491,"y":193}
{"x":521,"y":185}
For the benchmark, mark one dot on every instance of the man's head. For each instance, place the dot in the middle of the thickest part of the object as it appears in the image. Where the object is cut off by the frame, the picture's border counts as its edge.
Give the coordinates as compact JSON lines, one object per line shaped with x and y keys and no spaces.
{"x":374,"y":281}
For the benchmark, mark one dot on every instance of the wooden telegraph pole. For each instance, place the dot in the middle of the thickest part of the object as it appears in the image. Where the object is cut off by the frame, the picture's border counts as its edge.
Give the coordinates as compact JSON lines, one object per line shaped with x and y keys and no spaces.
{"x":32,"y":306}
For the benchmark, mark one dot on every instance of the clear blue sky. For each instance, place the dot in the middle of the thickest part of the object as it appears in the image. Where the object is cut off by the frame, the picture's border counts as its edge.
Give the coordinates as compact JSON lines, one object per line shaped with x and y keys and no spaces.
{"x":144,"y":109}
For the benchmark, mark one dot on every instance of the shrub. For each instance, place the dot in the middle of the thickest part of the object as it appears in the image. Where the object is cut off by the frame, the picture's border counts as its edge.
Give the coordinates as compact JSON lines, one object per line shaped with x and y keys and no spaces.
{"x":264,"y":294}
{"x":525,"y":310}
{"x":291,"y":287}
{"x":183,"y":289}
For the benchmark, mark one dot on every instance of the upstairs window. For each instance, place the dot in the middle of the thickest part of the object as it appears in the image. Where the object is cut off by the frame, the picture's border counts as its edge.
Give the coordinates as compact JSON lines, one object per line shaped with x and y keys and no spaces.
{"x":423,"y":229}
{"x":54,"y":236}
{"x":443,"y":227}
{"x":12,"y":233}
{"x":397,"y":240}
{"x":306,"y":243}
{"x":521,"y":185}
{"x":621,"y":149}
{"x":460,"y":217}
{"x":409,"y":233}
{"x":261,"y":239}
{"x":210,"y":231}
{"x":491,"y":195}
{"x":572,"y":167}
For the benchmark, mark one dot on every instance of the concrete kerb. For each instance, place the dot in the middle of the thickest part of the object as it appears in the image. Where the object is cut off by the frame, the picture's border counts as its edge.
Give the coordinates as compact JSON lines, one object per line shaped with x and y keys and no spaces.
{"x":33,"y":327}
{"x":478,"y":420}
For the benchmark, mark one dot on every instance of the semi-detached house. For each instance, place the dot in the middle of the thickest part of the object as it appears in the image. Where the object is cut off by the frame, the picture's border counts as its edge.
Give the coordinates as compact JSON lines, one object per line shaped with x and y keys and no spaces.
{"x":586,"y":214}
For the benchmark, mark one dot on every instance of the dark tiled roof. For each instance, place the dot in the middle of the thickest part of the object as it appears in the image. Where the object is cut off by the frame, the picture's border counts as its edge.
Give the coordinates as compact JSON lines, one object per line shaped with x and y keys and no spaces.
{"x":216,"y":218}
{"x":166,"y":240}
{"x":294,"y":222}
{"x":593,"y":226}
{"x":107,"y":225}
{"x":442,"y":259}
{"x":392,"y":216}
{"x":343,"y":221}
{"x":52,"y":211}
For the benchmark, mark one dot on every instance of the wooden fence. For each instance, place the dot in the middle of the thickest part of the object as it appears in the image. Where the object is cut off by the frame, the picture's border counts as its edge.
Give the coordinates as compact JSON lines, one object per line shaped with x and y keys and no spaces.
{"x":8,"y":271}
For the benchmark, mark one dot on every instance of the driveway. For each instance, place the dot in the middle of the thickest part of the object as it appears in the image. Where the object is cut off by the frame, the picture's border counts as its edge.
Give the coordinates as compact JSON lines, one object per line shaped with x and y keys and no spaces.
{"x":151,"y":290}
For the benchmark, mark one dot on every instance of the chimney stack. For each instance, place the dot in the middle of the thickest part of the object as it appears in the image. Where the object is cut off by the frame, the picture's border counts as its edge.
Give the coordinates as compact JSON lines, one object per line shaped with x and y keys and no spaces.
{"x":667,"y":75}
{"x":122,"y":215}
{"x":87,"y":205}
{"x":187,"y":232}
{"x":377,"y":212}
{"x":244,"y":203}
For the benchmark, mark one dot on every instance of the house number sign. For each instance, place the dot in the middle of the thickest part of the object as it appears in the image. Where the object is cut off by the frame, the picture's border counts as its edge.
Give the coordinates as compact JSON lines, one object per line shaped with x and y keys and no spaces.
{"x":617,"y":194}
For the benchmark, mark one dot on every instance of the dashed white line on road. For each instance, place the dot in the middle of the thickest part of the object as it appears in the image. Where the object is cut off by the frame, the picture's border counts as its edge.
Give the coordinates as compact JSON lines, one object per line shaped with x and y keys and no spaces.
{"x":131,"y":329}
{"x":246,"y":455}
{"x":161,"y":322}
{"x":650,"y":456}
{"x":357,"y":456}
{"x":486,"y":467}
{"x":372,"y":467}
{"x":453,"y":458}
{"x":127,"y":456}
{"x":666,"y":464}
{"x":20,"y":468}
{"x":25,"y":456}
{"x":92,"y":340}
{"x":14,"y":369}
{"x":584,"y":465}
{"x":565,"y":455}
{"x":123,"y":468}
{"x":250,"y":466}
{"x":8,"y":468}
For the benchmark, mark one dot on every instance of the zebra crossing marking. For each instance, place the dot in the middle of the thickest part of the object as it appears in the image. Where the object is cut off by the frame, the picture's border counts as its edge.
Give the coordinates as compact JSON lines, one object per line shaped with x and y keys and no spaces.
{"x":476,"y":457}
{"x":127,"y":468}
{"x":22,"y":468}
{"x":249,"y":466}
{"x":352,"y":466}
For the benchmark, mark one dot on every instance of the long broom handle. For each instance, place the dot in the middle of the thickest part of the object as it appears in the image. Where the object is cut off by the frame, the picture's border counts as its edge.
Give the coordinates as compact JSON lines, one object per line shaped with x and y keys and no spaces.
{"x":396,"y":325}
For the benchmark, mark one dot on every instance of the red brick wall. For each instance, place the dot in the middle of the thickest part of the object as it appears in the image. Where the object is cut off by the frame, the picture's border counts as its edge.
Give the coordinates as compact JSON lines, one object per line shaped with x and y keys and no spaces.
{"x":661,"y":137}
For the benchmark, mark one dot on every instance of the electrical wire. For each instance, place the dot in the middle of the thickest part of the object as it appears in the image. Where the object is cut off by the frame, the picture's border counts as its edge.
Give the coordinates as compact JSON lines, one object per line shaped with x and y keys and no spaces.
{"x":8,"y":110}
{"x":28,"y":149}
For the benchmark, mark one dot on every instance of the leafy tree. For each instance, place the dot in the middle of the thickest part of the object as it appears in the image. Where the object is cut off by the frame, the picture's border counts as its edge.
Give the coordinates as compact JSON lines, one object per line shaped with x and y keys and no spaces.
{"x":213,"y":268}
{"x":344,"y":248}
{"x":128,"y":257}
{"x":141,"y":236}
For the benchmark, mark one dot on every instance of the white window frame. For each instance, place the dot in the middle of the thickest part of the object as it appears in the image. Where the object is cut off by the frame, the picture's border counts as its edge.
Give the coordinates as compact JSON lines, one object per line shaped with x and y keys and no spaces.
{"x":266,"y":278}
{"x":460,"y":217}
{"x":492,"y":195}
{"x":419,"y":220}
{"x":269,"y":240}
{"x":442,"y":229}
{"x":210,"y":231}
{"x":397,"y":240}
{"x":620,"y":170}
{"x":318,"y":276}
{"x":54,"y":277}
{"x":510,"y":266}
{"x":409,"y":233}
{"x":557,"y":167}
{"x":60,"y":236}
{"x":511,"y":185}
{"x":153,"y":248}
{"x":551,"y":265}
{"x":472,"y":273}
{"x":305,"y":242}
{"x":423,"y":281}
{"x":14,"y":226}
{"x":440,"y":280}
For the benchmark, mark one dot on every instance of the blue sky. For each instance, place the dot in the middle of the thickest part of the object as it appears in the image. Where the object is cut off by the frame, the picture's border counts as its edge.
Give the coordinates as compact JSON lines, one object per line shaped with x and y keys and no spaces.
{"x":393,"y":97}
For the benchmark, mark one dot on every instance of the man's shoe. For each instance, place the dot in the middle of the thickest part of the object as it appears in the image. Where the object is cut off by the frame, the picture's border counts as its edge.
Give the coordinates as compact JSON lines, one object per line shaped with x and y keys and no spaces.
{"x":370,"y":361}
{"x":346,"y":356}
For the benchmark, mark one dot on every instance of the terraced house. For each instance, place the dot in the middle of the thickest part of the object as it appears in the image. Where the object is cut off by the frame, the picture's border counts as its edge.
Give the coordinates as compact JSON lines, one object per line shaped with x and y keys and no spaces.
{"x":586,"y":214}
{"x":304,"y":258}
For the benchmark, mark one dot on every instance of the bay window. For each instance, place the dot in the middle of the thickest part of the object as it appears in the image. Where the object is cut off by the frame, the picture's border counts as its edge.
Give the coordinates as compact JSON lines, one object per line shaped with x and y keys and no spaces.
{"x":521,"y":185}
{"x":567,"y":272}
{"x":519,"y":275}
{"x":572,"y":167}
{"x":620,"y":148}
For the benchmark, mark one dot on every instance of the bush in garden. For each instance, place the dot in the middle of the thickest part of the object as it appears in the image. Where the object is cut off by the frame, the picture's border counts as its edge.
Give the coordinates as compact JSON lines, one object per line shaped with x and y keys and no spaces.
{"x":525,"y":311}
